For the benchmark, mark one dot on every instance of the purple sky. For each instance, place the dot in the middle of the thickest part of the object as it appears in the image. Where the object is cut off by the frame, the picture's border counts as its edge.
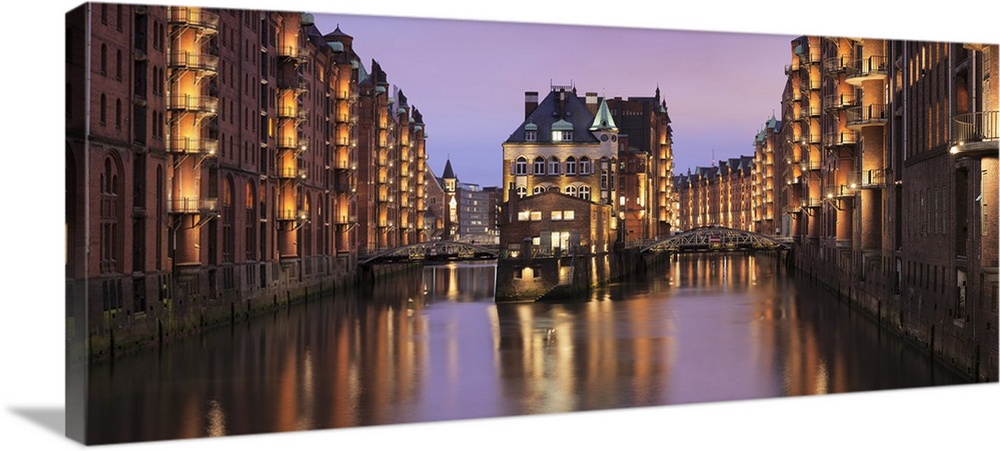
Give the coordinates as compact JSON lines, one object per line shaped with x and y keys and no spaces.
{"x":468,"y":78}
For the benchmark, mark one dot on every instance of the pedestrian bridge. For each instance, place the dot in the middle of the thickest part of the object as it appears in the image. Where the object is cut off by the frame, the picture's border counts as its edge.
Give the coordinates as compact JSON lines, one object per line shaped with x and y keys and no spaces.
{"x":432,"y":251}
{"x":715,"y":238}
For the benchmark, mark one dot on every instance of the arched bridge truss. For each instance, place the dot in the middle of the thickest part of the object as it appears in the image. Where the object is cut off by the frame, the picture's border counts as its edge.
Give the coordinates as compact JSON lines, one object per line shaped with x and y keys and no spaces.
{"x":713,"y":238}
{"x":434,"y":251}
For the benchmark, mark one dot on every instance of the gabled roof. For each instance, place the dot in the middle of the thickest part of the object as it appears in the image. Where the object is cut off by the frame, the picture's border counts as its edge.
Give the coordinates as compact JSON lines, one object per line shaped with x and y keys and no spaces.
{"x":546,"y":117}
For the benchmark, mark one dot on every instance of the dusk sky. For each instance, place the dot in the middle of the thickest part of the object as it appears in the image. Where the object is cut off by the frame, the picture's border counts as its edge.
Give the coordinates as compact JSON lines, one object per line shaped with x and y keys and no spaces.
{"x":468,"y":78}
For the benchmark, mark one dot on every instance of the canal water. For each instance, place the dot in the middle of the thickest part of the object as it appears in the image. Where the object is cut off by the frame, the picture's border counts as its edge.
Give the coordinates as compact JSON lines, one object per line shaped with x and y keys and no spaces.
{"x":434,"y":346}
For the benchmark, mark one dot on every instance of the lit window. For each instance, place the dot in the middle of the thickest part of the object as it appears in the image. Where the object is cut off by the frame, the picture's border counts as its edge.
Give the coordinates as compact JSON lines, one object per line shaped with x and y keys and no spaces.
{"x":522,"y":216}
{"x":536,"y":216}
{"x":569,"y":215}
{"x":521,"y":191}
{"x":585,"y":192}
{"x":557,"y":216}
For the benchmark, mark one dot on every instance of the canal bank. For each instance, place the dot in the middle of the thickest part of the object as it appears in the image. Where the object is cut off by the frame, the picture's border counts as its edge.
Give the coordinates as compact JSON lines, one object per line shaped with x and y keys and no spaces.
{"x":565,"y":277}
{"x":917,"y":310}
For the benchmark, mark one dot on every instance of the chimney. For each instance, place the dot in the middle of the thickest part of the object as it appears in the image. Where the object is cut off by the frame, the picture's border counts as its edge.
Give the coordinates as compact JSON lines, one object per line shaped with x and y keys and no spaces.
{"x":592,"y":104}
{"x":530,"y":102}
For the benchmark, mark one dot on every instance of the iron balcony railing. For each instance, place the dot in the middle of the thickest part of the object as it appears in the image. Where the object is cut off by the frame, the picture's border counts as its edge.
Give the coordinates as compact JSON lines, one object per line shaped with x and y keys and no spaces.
{"x":291,"y":143}
{"x":291,"y":173}
{"x":813,"y":110}
{"x":812,"y":202}
{"x":838,"y":191}
{"x":194,"y":61}
{"x":346,"y":219}
{"x":836,"y":101}
{"x":293,"y":52}
{"x":875,"y":65}
{"x":190,"y":205}
{"x":291,"y":112}
{"x":812,"y":165}
{"x":196,"y":17}
{"x":868,"y":179}
{"x":201,"y":104}
{"x":184,"y":144}
{"x":295,"y":83}
{"x":811,"y":138}
{"x":842,"y":138}
{"x":808,"y":84}
{"x":976,"y":127}
{"x":835,"y":64}
{"x":864,"y":115}
{"x":292,"y":214}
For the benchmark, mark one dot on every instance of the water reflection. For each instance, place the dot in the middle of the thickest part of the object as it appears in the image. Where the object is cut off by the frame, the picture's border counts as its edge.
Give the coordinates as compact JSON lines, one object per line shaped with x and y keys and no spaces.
{"x":434,"y":346}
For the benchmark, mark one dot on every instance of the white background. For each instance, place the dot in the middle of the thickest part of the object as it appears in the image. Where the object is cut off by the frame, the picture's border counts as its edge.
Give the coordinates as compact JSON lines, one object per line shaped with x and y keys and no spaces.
{"x":31,"y":255}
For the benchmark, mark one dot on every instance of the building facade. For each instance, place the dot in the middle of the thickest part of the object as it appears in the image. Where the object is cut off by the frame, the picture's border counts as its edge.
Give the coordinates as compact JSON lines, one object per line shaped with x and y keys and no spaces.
{"x":722,"y":195}
{"x":212,"y":165}
{"x":892,"y":152}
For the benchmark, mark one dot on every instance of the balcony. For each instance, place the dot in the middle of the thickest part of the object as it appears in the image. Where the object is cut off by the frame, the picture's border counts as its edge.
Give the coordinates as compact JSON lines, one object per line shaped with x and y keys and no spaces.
{"x":813,"y":111}
{"x":872,"y":68}
{"x":299,"y":84}
{"x":835,"y":65}
{"x":195,"y":104}
{"x":194,"y":61}
{"x":811,"y":165}
{"x":790,"y":68}
{"x":293,"y":53}
{"x":811,"y":138}
{"x":194,"y":17}
{"x":975,"y":134}
{"x":843,"y":138}
{"x":863,"y":116}
{"x":289,"y":143}
{"x":810,"y":85}
{"x":812,"y":202}
{"x":193,"y":205}
{"x":346,"y":219}
{"x":868,"y":179}
{"x":292,"y":214}
{"x":840,"y":191}
{"x":291,"y":173}
{"x":187,"y":145}
{"x":838,"y":101}
{"x":291,"y":112}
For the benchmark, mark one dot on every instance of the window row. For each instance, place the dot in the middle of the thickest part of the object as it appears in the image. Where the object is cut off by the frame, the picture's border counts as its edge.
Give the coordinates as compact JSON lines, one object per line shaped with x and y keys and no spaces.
{"x":558,"y":215}
{"x":582,"y":191}
{"x":553,"y":166}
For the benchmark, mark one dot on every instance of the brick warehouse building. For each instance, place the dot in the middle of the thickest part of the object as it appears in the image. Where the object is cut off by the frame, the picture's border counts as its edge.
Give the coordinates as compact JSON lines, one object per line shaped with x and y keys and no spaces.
{"x":891,"y":182}
{"x":213,"y":165}
{"x":722,"y":195}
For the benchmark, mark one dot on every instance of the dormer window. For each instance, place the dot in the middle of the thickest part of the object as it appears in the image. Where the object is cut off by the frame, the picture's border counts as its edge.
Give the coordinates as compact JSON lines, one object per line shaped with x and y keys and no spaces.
{"x":562,"y":135}
{"x":530,"y":136}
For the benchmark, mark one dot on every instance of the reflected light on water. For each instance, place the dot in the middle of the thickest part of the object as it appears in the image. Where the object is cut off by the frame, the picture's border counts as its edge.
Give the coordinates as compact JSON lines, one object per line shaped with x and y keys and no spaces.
{"x":216,"y":420}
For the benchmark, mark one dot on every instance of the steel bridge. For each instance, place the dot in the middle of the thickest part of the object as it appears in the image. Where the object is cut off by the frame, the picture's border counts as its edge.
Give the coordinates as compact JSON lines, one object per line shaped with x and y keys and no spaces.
{"x":716,"y":238}
{"x":432,"y":251}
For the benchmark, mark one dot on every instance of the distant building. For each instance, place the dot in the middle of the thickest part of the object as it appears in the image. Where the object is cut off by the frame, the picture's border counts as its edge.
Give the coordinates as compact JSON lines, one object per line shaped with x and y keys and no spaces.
{"x":473,"y":214}
{"x":494,"y":198}
{"x":720,"y":195}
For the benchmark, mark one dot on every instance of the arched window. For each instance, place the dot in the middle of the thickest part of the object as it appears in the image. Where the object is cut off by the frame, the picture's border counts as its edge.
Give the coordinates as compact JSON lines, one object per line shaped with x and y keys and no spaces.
{"x":585,"y":192}
{"x":585,"y":166}
{"x":539,"y":167}
{"x":111,"y":216}
{"x":104,"y":105}
{"x":250,"y":214}
{"x":118,"y":113}
{"x":104,"y":59}
{"x":538,"y":189}
{"x":571,"y":166}
{"x":571,"y":190}
{"x":118,"y":65}
{"x":521,"y":191}
{"x":228,"y":212}
{"x":553,"y":166}
{"x":521,"y":166}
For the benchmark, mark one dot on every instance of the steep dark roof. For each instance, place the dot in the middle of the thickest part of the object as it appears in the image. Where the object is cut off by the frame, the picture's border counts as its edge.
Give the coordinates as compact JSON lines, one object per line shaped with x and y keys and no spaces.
{"x":336,"y":33}
{"x":547,"y":113}
{"x":449,"y":173}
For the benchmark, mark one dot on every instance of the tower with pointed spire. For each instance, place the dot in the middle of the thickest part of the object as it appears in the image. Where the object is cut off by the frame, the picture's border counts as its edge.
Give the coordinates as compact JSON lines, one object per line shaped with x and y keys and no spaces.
{"x":450,"y":185}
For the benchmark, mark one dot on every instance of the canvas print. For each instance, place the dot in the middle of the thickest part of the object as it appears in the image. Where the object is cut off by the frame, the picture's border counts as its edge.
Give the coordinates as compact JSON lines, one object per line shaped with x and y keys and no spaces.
{"x":296,"y":220}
